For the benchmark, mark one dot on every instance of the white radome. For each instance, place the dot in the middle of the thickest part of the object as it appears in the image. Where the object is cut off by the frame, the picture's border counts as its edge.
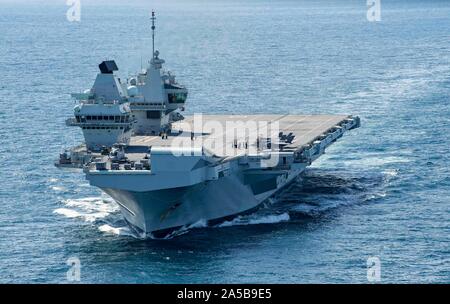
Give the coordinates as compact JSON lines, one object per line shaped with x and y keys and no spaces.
{"x":132,"y":91}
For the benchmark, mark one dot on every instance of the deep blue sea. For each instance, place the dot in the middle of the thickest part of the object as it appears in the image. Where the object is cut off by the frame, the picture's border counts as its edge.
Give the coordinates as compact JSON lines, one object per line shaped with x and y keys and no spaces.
{"x":381,"y":191}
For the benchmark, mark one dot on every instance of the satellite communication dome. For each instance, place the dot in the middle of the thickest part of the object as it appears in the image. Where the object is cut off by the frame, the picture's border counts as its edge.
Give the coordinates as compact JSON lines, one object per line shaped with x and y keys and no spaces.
{"x":132,"y":91}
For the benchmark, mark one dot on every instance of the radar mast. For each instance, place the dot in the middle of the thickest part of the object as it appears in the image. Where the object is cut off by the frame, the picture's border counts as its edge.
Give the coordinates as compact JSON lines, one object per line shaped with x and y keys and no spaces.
{"x":153,"y":18}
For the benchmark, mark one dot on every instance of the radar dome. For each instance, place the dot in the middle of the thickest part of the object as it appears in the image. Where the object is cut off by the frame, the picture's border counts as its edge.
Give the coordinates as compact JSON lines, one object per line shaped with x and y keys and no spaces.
{"x":132,"y":91}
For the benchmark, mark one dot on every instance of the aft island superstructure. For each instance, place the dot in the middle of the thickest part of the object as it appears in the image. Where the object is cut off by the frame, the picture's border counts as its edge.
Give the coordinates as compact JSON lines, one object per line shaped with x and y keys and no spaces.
{"x":166,"y":171}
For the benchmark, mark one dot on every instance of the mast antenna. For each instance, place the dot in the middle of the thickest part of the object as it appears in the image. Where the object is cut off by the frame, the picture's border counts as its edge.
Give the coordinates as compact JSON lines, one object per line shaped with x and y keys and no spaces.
{"x":153,"y":18}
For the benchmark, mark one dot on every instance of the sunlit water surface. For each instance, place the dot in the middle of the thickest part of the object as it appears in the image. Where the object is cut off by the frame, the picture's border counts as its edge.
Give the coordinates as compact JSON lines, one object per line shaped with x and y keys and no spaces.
{"x":381,"y":191}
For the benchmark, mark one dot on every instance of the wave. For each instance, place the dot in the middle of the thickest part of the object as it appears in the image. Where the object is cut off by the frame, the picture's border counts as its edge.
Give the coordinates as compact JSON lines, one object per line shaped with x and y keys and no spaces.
{"x":74,"y":214}
{"x":377,"y":161}
{"x":102,"y":211}
{"x":399,"y":85}
{"x":93,"y":204}
{"x":120,"y":231}
{"x":317,"y":192}
{"x":321,"y":192}
{"x":87,"y":217}
{"x":183,"y":230}
{"x":256,"y":220}
{"x":89,"y":209}
{"x":58,"y":188}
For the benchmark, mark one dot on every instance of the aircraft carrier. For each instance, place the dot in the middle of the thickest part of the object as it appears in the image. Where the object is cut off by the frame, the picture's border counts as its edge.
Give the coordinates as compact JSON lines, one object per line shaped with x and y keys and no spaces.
{"x":167,"y":171}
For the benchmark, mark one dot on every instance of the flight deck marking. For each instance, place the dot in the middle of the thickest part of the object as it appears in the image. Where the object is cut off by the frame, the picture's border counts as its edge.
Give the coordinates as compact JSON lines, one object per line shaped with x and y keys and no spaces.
{"x":319,"y":126}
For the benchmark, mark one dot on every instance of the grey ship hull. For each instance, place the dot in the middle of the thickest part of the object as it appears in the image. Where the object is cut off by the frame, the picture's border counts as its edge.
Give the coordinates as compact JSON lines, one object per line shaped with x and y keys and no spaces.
{"x":161,"y":211}
{"x":181,"y":190}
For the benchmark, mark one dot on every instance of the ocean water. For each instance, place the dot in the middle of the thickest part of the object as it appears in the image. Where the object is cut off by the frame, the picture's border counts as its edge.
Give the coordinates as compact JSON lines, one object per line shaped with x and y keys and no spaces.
{"x":381,"y":191}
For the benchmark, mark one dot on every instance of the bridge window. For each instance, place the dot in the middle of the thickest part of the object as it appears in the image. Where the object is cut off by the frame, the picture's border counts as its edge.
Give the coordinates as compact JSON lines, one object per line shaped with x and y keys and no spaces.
{"x":153,"y":114}
{"x":177,"y":97}
{"x":172,"y":98}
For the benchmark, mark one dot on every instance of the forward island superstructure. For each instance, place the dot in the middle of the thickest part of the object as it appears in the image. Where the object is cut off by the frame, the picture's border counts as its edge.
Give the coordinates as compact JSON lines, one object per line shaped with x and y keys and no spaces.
{"x":166,"y":171}
{"x":103,"y":112}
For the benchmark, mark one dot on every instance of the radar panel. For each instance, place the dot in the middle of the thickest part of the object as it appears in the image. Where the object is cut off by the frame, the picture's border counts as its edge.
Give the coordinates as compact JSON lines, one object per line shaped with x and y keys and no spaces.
{"x":107,"y":67}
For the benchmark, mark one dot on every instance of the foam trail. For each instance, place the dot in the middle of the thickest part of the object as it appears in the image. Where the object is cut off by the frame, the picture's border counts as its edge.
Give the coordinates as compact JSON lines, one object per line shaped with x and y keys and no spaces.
{"x":185,"y":229}
{"x":374,"y":161}
{"x":390,"y":174}
{"x":199,"y":224}
{"x":268,"y":219}
{"x":87,"y":217}
{"x":90,"y":209}
{"x":58,"y":188}
{"x":93,"y":204}
{"x":120,"y":231}
{"x":67,"y":212}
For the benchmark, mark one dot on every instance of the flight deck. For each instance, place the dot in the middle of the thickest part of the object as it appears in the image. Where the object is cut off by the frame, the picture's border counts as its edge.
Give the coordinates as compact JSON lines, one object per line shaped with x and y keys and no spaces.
{"x":226,"y":136}
{"x":304,"y":130}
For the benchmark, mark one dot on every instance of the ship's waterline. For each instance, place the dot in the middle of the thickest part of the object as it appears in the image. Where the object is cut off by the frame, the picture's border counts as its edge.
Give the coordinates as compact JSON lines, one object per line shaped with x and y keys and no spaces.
{"x":161,"y":211}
